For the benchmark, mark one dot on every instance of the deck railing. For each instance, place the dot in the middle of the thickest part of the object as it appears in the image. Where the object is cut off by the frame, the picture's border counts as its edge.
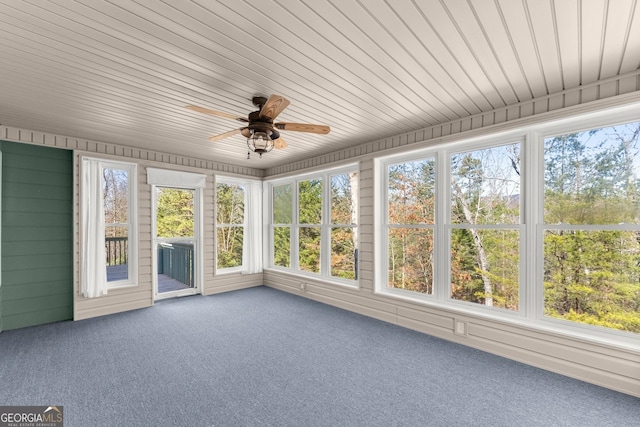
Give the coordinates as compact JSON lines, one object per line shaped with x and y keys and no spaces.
{"x":117,"y":249}
{"x":176,"y":261}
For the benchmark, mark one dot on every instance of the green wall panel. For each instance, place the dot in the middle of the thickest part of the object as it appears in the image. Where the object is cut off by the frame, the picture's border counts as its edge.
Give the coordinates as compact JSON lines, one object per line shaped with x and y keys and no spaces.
{"x":37,"y":235}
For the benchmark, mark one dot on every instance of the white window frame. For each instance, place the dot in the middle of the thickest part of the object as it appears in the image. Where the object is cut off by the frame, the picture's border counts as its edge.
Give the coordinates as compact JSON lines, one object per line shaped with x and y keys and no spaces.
{"x":132,"y":224}
{"x":531,"y":298}
{"x":222,"y":179}
{"x":325,"y":227}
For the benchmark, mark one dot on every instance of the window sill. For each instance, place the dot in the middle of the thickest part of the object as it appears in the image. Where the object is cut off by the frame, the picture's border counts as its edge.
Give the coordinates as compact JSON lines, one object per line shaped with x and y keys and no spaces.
{"x":618,"y":340}
{"x":228,"y":271}
{"x":350,"y":284}
{"x":116,"y":286}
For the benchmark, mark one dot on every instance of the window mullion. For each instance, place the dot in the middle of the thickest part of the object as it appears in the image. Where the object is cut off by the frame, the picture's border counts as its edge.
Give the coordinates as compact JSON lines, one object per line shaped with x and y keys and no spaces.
{"x":442,"y":245}
{"x":325,"y":230}
{"x":530,"y":279}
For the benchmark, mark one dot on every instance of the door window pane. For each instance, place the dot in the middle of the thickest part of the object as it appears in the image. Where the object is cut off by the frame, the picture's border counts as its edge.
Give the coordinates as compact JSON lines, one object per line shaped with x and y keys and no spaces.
{"x":175,"y":212}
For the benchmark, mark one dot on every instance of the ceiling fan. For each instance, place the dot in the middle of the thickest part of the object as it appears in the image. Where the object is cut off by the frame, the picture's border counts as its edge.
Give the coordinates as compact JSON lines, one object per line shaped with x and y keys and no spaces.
{"x":261,"y":132}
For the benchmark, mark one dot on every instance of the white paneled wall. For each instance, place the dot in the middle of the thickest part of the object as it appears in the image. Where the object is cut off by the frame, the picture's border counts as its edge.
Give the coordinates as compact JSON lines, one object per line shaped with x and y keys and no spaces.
{"x":609,"y":365}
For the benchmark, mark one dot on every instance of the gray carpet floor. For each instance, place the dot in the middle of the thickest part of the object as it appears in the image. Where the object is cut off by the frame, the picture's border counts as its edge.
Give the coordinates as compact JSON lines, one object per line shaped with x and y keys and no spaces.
{"x":261,"y":357}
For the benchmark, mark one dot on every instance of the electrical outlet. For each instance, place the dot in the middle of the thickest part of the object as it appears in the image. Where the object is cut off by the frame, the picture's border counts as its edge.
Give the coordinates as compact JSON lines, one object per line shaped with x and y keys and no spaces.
{"x":460,"y":328}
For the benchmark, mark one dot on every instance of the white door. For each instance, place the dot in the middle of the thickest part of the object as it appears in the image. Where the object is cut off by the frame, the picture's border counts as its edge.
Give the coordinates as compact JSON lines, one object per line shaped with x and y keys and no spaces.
{"x":176,"y":246}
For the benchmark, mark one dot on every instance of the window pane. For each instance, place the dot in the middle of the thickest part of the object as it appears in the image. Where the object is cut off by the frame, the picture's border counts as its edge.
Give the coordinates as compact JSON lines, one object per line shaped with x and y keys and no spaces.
{"x":485,"y":267}
{"x":229,"y":245}
{"x":174,"y":212}
{"x":593,"y":277}
{"x":344,"y":198}
{"x":117,"y":253}
{"x":411,"y":259}
{"x":282,"y":204}
{"x":591,"y":177}
{"x":412,"y":192}
{"x":310,"y":201}
{"x":309,"y":249}
{"x":229,"y":204}
{"x":344,"y":253}
{"x":282,"y":246}
{"x":115,"y":193}
{"x":485,"y":186}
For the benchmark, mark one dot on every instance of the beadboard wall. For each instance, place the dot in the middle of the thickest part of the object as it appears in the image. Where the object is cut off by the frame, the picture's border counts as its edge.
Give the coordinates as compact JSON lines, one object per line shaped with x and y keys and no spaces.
{"x":606,"y":364}
{"x":140,"y":296}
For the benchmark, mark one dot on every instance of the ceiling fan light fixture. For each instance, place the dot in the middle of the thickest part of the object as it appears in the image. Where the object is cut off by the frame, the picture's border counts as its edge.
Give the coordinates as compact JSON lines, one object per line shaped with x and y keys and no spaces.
{"x":259,"y":142}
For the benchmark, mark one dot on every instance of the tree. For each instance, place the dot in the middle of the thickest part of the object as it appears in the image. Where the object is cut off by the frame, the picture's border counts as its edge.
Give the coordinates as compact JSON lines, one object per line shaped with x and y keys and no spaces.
{"x":310,"y":220}
{"x":344,"y":216}
{"x":411,"y":206}
{"x":230,"y":224}
{"x":174,"y":212}
{"x":485,"y":190}
{"x":593,"y":276}
{"x":282,"y":218}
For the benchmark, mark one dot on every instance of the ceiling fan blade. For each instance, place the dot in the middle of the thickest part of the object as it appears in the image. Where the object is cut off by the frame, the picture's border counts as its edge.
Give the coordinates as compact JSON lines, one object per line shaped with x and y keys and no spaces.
{"x":303,"y":127}
{"x":280,"y":143}
{"x":274,"y":106}
{"x":216,"y":113}
{"x":225,"y":135}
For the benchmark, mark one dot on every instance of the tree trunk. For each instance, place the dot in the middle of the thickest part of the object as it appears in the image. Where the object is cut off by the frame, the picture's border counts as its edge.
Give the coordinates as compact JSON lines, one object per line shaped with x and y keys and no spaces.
{"x":482,"y":255}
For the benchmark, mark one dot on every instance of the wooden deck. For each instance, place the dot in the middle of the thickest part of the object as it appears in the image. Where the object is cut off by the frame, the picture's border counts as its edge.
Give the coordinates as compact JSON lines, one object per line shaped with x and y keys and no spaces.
{"x":165,"y":283}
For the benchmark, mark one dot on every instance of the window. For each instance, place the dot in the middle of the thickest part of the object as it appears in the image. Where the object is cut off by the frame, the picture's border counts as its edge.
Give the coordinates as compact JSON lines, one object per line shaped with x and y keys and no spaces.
{"x":239,"y":225}
{"x":410,"y":215}
{"x":592,"y":227}
{"x":117,"y":224}
{"x":484,"y":235}
{"x":541,"y":226}
{"x":314,"y":224}
{"x":229,"y":224}
{"x":282,"y":202}
{"x":108,"y":222}
{"x":480,"y":242}
{"x":344,"y":217}
{"x":310,"y":224}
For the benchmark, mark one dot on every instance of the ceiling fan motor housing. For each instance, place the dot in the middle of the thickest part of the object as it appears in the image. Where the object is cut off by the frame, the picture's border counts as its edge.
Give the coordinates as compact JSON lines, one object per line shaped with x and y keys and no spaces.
{"x":260,"y":124}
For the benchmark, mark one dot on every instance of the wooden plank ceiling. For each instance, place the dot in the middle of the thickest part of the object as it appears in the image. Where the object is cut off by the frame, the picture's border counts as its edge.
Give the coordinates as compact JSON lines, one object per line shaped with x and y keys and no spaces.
{"x":122,"y":71}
